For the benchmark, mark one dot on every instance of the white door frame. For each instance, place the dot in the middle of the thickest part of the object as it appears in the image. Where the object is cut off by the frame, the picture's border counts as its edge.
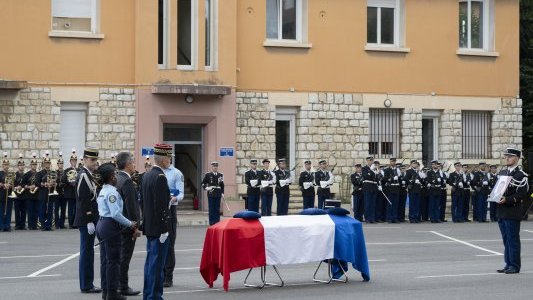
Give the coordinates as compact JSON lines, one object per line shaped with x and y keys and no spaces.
{"x":289,"y":114}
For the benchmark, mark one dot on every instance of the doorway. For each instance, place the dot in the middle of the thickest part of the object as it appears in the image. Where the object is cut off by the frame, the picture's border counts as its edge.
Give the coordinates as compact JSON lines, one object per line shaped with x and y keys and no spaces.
{"x":286,"y":135}
{"x":430,"y":130}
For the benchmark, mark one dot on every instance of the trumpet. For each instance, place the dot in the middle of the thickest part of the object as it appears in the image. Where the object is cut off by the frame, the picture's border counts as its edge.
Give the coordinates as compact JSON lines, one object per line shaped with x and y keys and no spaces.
{"x":51,"y":179}
{"x":32,"y":182}
{"x":9,"y":179}
{"x":72,"y":175}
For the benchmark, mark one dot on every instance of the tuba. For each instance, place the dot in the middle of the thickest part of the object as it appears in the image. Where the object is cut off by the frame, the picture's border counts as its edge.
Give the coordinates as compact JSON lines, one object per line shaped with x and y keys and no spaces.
{"x":51,"y":179}
{"x":71,"y":175}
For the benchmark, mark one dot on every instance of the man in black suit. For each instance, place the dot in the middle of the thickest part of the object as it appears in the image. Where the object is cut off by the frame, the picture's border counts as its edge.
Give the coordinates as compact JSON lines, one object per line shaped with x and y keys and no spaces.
{"x":127,"y":191}
{"x":86,"y":219}
{"x":155,"y":197}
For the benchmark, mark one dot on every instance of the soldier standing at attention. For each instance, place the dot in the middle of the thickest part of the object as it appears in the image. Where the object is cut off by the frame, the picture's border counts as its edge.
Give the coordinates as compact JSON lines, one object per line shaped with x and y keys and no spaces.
{"x":213,"y":183}
{"x":370,"y":189}
{"x":324,"y":179}
{"x":358,"y":205}
{"x":267,"y":179}
{"x":511,"y":210}
{"x":20,"y":202}
{"x":414,"y":188}
{"x":391,"y":180}
{"x":306,"y":182}
{"x":253,"y":190}
{"x":283,"y":180}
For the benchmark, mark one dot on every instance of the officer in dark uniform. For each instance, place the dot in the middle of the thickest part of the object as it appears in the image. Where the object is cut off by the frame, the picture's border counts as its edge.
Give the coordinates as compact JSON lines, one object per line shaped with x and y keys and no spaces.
{"x":433,"y":183}
{"x":324,"y":180}
{"x":424,"y":199}
{"x":128,"y":193}
{"x":253,"y":191}
{"x":482,"y":187}
{"x":20,"y":202}
{"x":86,"y":219}
{"x":414,"y":188}
{"x":358,"y":204}
{"x":492,"y":183}
{"x":403,"y":192}
{"x":455,"y":180}
{"x":60,"y":207}
{"x":381,"y":203}
{"x":267,"y":180}
{"x":155,"y":198}
{"x":370,"y":189}
{"x":213,"y":183}
{"x":46,"y":200}
{"x":108,"y":229}
{"x":68,"y":180}
{"x":306,"y":182}
{"x":29,"y":181}
{"x":283,"y":180}
{"x":467,"y":183}
{"x":511,"y":209}
{"x":443,"y":194}
{"x":391,"y":181}
{"x":6,"y":203}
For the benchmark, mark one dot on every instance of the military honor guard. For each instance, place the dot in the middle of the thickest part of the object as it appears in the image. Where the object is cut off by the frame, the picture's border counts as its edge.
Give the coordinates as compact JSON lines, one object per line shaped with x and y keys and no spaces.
{"x":29,"y":181}
{"x":68,"y":182}
{"x":213,"y":183}
{"x":482,"y":186}
{"x":511,"y":209}
{"x":358,"y":205}
{"x":46,"y":183}
{"x":176,"y":185}
{"x":434,"y":183}
{"x":155,"y":196}
{"x":391,"y":181}
{"x":324,"y":180}
{"x":60,"y":205}
{"x":370,"y":189}
{"x":414,"y":189}
{"x":467,"y":185}
{"x":86,"y":219}
{"x":130,"y":210}
{"x":443,"y":193}
{"x":253,"y":186}
{"x":403,"y":192}
{"x":7,"y":180}
{"x":455,"y":180}
{"x":306,"y":182}
{"x":283,"y":180}
{"x":382,"y":202}
{"x":20,"y":201}
{"x":492,"y":183}
{"x":267,"y":179}
{"x":108,"y":229}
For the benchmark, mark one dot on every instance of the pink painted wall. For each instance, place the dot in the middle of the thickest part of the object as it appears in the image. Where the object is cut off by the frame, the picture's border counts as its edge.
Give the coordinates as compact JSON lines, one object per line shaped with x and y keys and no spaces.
{"x":217,"y":114}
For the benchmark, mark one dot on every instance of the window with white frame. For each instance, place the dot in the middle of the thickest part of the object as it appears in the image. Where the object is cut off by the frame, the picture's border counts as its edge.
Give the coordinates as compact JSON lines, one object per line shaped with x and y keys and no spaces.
{"x":75,"y":15}
{"x":162,"y":32}
{"x":187,"y":34}
{"x":384,"y":132}
{"x":384,"y":22}
{"x":475,"y":24}
{"x":284,"y":20}
{"x":210,"y":33}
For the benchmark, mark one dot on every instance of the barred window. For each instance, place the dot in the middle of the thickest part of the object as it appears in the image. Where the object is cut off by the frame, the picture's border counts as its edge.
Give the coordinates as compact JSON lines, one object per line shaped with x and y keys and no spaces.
{"x":384,"y":132}
{"x":476,"y":134}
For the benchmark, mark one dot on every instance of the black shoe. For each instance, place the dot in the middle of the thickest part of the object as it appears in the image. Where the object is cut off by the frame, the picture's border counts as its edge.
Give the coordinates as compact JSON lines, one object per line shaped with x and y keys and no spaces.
{"x":104,"y":294}
{"x":168,"y":283}
{"x":115,"y":295}
{"x":502,"y":270}
{"x":512,"y":271}
{"x":94,"y":290}
{"x":129,"y":292}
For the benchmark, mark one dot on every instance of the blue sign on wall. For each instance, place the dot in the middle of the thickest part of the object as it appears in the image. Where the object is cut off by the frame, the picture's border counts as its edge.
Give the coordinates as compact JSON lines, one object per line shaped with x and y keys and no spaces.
{"x":147,"y":151}
{"x":226,"y":152}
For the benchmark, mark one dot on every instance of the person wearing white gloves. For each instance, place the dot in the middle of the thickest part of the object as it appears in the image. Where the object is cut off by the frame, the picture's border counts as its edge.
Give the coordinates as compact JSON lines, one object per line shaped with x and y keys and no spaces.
{"x":267,"y":179}
{"x":213,"y":183}
{"x":155,"y":197}
{"x":455,"y":180}
{"x":324,"y":179}
{"x":86,"y":219}
{"x":253,"y":188}
{"x":283,"y":180}
{"x":306,"y":182}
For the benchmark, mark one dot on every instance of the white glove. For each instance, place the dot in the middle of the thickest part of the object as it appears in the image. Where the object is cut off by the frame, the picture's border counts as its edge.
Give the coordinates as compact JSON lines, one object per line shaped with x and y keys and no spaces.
{"x":429,"y":185}
{"x":395,"y":178}
{"x":403,"y":182}
{"x":372,"y":167}
{"x":90,"y":228}
{"x":438,"y":179}
{"x":380,"y":188}
{"x":253,"y":182}
{"x":460,"y":184}
{"x":209,"y":188}
{"x":163,"y":237}
{"x":417,"y":181}
{"x":485,"y":183}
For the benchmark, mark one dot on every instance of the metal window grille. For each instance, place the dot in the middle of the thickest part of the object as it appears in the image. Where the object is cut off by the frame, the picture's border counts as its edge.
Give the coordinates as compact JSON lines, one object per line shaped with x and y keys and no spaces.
{"x":476,"y":134}
{"x":384,"y":132}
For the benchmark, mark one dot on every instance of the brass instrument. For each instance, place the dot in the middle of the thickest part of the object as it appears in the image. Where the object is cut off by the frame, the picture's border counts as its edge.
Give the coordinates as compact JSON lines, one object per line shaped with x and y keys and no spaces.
{"x":9,"y":179}
{"x":32,"y":182}
{"x":72,"y":175}
{"x":51,"y":179}
{"x":19,"y":191}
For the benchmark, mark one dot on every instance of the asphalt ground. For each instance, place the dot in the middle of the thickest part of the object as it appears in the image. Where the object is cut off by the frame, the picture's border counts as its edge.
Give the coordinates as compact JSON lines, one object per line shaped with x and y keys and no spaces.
{"x":407,"y":261}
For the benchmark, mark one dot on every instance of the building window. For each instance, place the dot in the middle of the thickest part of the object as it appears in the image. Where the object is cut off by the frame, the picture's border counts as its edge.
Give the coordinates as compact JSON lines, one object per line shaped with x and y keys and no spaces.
{"x":475,"y":24}
{"x":384,"y":132}
{"x":476,"y":134}
{"x":72,"y":127}
{"x":210,"y":33}
{"x":384,"y":20}
{"x":284,"y":20}
{"x":187,"y":32}
{"x":162,"y":33}
{"x":75,"y":15}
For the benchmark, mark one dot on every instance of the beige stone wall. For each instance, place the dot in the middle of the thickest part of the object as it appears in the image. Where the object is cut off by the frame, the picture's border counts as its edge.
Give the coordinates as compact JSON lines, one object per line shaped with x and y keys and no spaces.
{"x":450,"y":135}
{"x":411,"y":134}
{"x":507,"y":126}
{"x":30,"y":122}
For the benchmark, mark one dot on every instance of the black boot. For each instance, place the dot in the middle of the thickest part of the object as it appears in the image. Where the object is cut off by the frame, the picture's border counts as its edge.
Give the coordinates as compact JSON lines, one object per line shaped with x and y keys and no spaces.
{"x":104,"y":294}
{"x":114,"y":295}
